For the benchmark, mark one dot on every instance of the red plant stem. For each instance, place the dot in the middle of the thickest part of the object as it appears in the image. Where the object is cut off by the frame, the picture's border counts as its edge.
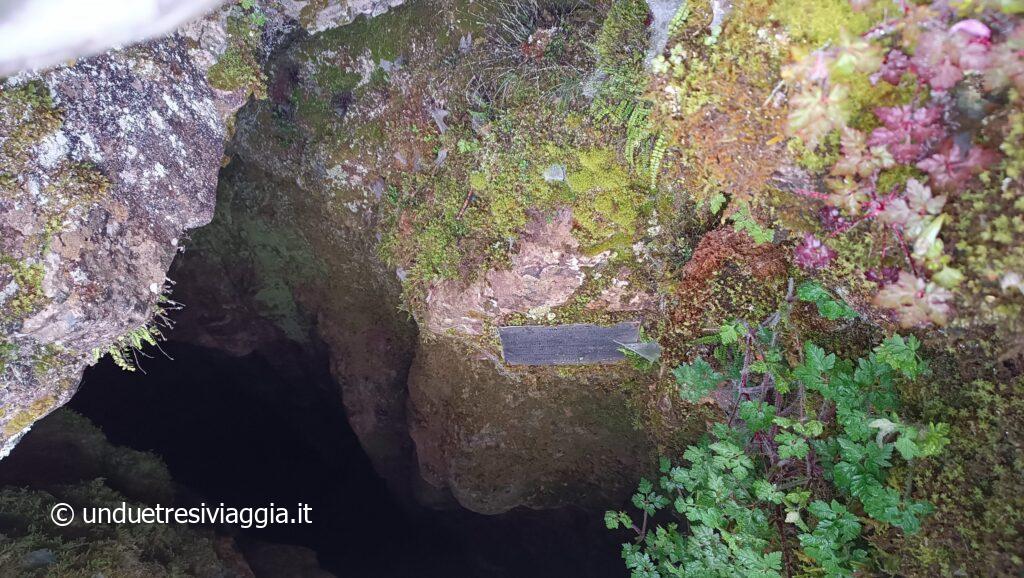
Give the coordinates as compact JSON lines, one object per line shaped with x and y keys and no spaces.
{"x":811,"y":194}
{"x":782,"y":537}
{"x":906,"y":249}
{"x":855,"y":222}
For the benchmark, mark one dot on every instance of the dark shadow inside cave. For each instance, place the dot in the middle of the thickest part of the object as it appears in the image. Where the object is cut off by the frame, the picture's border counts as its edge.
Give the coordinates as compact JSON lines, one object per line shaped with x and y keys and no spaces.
{"x":252,"y":430}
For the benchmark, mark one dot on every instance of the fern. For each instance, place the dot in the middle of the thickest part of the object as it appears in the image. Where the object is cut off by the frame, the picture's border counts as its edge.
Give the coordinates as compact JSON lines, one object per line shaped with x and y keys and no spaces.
{"x":742,"y":221}
{"x":638,"y":132}
{"x":124,"y":351}
{"x":679,"y":20}
{"x":643,"y":142}
{"x":805,"y":452}
{"x":657,"y":155}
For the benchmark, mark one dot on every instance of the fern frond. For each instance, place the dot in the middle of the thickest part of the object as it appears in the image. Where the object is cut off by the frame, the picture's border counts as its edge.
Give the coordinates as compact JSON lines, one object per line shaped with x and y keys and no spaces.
{"x":657,"y":155}
{"x":125,"y":349}
{"x":680,"y":18}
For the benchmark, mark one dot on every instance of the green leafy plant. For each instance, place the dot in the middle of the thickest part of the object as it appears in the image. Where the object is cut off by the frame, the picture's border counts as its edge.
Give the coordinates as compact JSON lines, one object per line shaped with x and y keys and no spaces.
{"x":828,"y":306}
{"x":743,"y":221}
{"x":125,"y":350}
{"x":802,"y":464}
{"x":256,"y":16}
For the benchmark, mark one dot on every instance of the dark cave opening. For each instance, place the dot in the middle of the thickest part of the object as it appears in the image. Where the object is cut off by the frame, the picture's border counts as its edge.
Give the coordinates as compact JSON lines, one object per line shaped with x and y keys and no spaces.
{"x":235,"y":430}
{"x":248,"y":431}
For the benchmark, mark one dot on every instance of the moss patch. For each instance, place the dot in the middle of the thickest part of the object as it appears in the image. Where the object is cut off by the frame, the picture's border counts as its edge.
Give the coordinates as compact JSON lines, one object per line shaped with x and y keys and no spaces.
{"x":821,"y":21}
{"x":27,"y":114}
{"x":27,"y":417}
{"x":29,"y":295}
{"x":975,"y":484}
{"x":239,"y":68}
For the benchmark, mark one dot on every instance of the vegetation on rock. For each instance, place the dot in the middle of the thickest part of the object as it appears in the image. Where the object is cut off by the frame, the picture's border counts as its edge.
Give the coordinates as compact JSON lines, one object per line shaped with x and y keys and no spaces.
{"x":829,"y":142}
{"x":782,"y":487}
{"x":239,"y":67}
{"x":800,"y":200}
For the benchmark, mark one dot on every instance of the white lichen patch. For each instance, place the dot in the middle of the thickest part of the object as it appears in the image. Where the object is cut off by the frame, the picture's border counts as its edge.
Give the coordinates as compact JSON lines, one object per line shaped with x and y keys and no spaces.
{"x":52,"y":149}
{"x":171,"y":103}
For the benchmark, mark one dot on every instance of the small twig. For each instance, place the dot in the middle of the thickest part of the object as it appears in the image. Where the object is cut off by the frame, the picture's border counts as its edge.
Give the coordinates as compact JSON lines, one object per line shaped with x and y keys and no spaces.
{"x":771,"y":95}
{"x":465,"y":204}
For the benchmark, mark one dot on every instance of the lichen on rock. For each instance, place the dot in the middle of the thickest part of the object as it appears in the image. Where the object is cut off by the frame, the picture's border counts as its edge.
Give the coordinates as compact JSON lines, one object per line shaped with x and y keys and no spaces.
{"x":105,"y":164}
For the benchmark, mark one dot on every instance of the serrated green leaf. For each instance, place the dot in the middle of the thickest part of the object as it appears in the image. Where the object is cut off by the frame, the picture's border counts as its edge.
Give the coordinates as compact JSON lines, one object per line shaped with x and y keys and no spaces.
{"x":907,"y":447}
{"x":716,"y":203}
{"x":696,"y":379}
{"x":730,"y":333}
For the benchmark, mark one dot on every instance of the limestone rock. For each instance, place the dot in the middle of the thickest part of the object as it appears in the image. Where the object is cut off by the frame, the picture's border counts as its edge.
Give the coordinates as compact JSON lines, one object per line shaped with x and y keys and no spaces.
{"x":546,"y":270}
{"x":106,"y":165}
{"x":495,"y":440}
{"x":319,"y":15}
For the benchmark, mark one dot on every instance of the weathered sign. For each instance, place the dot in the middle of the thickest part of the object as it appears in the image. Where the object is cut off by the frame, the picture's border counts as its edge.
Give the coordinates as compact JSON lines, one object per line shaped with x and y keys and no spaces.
{"x":576,"y":344}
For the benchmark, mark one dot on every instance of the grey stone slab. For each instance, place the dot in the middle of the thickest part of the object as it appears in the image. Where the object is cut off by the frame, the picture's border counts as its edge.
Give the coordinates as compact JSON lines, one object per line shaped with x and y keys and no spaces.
{"x":576,"y":344}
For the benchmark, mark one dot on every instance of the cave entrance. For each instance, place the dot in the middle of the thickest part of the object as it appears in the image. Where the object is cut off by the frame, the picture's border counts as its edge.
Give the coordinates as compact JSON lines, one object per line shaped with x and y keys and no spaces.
{"x":258,"y":429}
{"x":250,"y":431}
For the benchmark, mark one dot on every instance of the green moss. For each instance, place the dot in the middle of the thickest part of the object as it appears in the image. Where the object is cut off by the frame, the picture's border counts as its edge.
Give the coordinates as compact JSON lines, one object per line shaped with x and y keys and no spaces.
{"x":987,"y":225}
{"x":387,"y":36}
{"x":864,"y":97}
{"x":27,"y":114}
{"x":233,"y":70}
{"x":975,"y":484}
{"x":29,"y":296}
{"x":1013,"y":144}
{"x":75,"y":186}
{"x":820,"y":159}
{"x":605,"y":201}
{"x":820,"y":21}
{"x":439,"y":254}
{"x":509,"y":215}
{"x":739,"y":295}
{"x":692,"y":79}
{"x":896,"y":178}
{"x":623,"y":35}
{"x":464,"y":217}
{"x":46,"y":358}
{"x":8,"y":351}
{"x":238,"y":68}
{"x":313,"y":111}
{"x":335,"y":80}
{"x":27,"y":417}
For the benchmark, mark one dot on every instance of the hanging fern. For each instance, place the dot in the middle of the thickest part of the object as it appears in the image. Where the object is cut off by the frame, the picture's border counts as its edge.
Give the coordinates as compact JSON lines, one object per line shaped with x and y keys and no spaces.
{"x":645,"y":147}
{"x":638,"y":132}
{"x":125,"y":350}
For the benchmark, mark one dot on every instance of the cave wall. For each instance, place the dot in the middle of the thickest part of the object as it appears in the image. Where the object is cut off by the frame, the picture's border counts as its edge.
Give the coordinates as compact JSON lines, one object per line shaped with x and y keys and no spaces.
{"x":272,"y":269}
{"x":105,"y":165}
{"x":294,"y":251}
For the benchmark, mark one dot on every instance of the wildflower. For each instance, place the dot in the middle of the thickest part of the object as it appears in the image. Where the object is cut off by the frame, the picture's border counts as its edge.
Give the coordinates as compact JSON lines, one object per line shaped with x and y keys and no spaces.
{"x":812,"y":254}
